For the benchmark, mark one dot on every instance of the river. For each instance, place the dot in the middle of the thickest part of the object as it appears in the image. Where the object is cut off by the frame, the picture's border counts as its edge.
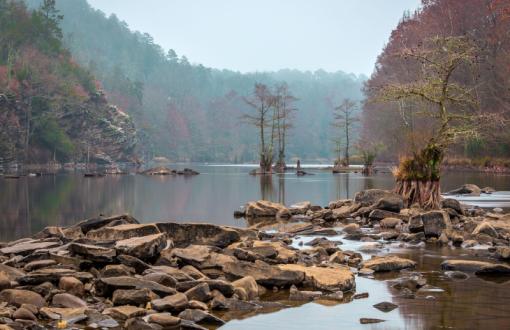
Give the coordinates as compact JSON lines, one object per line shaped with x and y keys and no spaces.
{"x":29,"y":204}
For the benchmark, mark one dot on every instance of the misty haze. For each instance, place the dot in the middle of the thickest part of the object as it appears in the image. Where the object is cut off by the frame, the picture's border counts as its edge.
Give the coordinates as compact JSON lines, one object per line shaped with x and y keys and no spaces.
{"x":293,"y":164}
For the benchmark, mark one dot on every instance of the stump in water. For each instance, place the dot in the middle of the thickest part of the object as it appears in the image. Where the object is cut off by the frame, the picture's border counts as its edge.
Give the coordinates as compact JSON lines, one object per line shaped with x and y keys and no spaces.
{"x":418,"y":178}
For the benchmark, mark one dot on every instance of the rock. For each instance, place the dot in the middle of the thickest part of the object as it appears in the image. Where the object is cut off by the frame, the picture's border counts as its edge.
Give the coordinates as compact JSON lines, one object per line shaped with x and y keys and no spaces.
{"x":416,"y":224}
{"x":18,"y":297}
{"x":323,"y":278}
{"x":337,"y":257}
{"x":451,"y":203}
{"x":124,"y":312}
{"x":133,"y":297}
{"x":106,"y":286}
{"x":117,"y":270}
{"x":263,"y":273}
{"x":164,"y":319}
{"x":137,"y":323}
{"x":385,"y":306}
{"x":485,"y":228}
{"x":195,"y":304}
{"x":300,"y":208}
{"x":389,"y":263}
{"x":467,"y":189}
{"x":249,"y":285}
{"x":390,"y":222}
{"x":456,"y":275}
{"x":296,"y":295}
{"x":365,"y":320}
{"x":393,"y":203}
{"x":24,"y":314}
{"x":93,"y":252}
{"x":34,"y":265}
{"x":488,"y":190}
{"x":372,"y":196}
{"x":200,"y":292}
{"x":10,"y":272}
{"x":351,"y":228}
{"x":174,"y":303}
{"x":71,"y":285}
{"x":176,"y":273}
{"x":497,"y":210}
{"x":378,"y":215}
{"x":123,"y":232}
{"x":477,"y":267}
{"x":202,"y":256}
{"x":25,"y":248}
{"x":434,"y":222}
{"x":263,"y":208}
{"x":144,"y":247}
{"x":94,"y":223}
{"x":161,"y":278}
{"x":184,"y":234}
{"x":199,"y":316}
{"x":52,"y":275}
{"x":503,"y":252}
{"x":67,"y":300}
{"x":138,"y":265}
{"x":360,"y":295}
{"x":370,"y":247}
{"x":366,"y":271}
{"x":5,"y":283}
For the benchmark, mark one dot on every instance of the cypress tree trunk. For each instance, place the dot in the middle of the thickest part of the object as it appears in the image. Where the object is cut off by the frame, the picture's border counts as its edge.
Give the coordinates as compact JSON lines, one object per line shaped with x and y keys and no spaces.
{"x":418,"y":178}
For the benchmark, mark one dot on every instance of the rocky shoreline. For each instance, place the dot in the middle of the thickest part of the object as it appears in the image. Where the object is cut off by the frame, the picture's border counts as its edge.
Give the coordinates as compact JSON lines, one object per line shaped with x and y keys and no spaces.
{"x":115,"y":273}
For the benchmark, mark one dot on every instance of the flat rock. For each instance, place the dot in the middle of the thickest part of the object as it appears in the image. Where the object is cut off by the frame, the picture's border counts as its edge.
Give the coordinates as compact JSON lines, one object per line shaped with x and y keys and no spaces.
{"x":200,"y":292}
{"x":163,"y":319}
{"x":389,"y":263}
{"x":39,"y":264}
{"x":174,"y":303}
{"x":371,"y":196}
{"x":202,"y":256}
{"x":477,"y":267}
{"x":184,"y":234}
{"x":325,"y":278}
{"x":53,"y":275}
{"x":125,"y":312}
{"x":132,"y":297}
{"x":93,"y":252}
{"x":365,"y":320}
{"x":106,"y":286}
{"x":144,"y":247}
{"x":263,"y":273}
{"x":94,"y":223}
{"x":57,"y":313}
{"x":28,"y":247}
{"x":199,"y":316}
{"x":123,"y":232}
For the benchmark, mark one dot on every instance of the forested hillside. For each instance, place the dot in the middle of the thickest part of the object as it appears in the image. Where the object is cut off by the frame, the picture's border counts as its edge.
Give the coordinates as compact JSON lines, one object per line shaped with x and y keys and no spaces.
{"x":50,"y":108}
{"x":401,"y":125}
{"x":186,"y":111}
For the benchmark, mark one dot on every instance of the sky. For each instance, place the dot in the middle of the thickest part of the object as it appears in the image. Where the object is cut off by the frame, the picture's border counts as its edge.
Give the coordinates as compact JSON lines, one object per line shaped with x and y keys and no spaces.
{"x":267,"y":35}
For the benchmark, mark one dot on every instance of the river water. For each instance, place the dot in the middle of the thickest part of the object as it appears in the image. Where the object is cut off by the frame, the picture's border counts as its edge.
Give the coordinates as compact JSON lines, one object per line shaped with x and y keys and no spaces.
{"x":29,"y":204}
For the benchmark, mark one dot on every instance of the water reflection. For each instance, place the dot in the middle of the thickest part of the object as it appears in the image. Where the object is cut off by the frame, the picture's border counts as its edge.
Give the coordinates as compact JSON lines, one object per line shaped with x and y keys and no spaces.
{"x":29,"y":204}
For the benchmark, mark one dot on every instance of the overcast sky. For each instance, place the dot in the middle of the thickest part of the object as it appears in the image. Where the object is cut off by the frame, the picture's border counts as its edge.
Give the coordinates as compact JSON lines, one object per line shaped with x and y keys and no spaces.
{"x":262,"y":35}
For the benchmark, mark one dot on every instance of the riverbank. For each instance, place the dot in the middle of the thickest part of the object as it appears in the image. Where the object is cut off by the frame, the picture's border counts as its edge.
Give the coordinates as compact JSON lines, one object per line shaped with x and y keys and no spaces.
{"x":114,"y":272}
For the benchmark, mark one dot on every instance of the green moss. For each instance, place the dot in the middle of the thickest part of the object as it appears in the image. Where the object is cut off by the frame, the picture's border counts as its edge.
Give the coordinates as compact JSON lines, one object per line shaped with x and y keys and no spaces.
{"x":422,"y":166}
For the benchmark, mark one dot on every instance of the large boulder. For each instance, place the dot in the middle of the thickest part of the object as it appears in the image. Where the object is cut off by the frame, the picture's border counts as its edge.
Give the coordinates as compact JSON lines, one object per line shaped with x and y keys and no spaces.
{"x":389,"y":263}
{"x":122,"y":232}
{"x":325,"y":278}
{"x":434,"y":222}
{"x":143,"y":247}
{"x":371,"y":196}
{"x":263,"y":273}
{"x":475,"y":266}
{"x":266,"y":209}
{"x":467,"y":189}
{"x":184,"y":234}
{"x":393,"y":203}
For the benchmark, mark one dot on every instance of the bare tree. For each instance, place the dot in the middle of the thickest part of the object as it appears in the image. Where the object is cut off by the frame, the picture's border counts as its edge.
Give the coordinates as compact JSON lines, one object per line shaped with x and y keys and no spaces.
{"x":283,"y":110}
{"x":450,"y":106}
{"x":263,"y":119}
{"x":345,"y":118}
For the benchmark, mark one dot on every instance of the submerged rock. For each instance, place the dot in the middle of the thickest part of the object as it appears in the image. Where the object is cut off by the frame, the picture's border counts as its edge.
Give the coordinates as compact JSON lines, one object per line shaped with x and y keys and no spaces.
{"x":467,"y":189}
{"x":477,"y":267}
